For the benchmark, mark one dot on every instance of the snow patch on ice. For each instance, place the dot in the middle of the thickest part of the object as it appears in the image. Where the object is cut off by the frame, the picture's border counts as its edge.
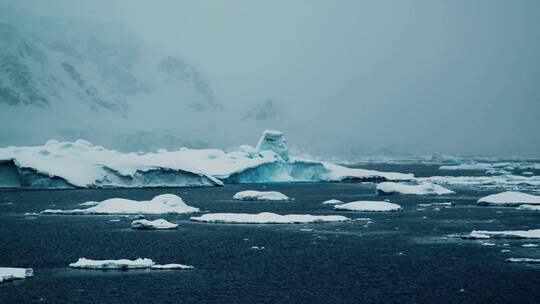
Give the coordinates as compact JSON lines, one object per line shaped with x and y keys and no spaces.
{"x":124,"y":264}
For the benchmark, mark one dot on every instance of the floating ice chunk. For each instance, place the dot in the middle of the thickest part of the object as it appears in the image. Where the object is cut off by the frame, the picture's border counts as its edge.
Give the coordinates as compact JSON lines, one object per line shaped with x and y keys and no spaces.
{"x":527,"y":173}
{"x":487,"y":244}
{"x":523,"y":260}
{"x":509,"y":198}
{"x":445,"y":204}
{"x":505,"y":251}
{"x":369,"y":206}
{"x":529,"y":207}
{"x":252,"y":195}
{"x":257,"y":247}
{"x":267,"y":218}
{"x":170,"y":266}
{"x":112,"y":264}
{"x":332,"y":202}
{"x":161,"y":204}
{"x":529,"y":245}
{"x":519,"y":234}
{"x":159,"y":224}
{"x":420,"y":189}
{"x":10,"y":273}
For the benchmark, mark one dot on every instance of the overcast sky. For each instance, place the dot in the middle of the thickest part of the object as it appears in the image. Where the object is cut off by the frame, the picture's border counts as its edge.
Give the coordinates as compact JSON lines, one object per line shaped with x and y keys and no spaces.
{"x":460,"y":77}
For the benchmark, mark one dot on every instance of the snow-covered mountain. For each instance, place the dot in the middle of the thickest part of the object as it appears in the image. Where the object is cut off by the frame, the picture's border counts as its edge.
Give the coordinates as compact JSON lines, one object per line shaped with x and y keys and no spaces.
{"x":70,"y":79}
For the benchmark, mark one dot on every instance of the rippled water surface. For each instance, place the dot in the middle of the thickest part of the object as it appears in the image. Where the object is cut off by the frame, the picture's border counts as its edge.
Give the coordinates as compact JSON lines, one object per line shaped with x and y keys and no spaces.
{"x":402,"y":257}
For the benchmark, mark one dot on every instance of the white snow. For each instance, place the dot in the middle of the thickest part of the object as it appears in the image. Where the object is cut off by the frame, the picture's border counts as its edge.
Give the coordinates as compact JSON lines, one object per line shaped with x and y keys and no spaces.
{"x":267,"y":218}
{"x":11,"y":273}
{"x":332,"y":202}
{"x":161,"y":204}
{"x":252,"y":195}
{"x":159,"y":224}
{"x":420,"y":189}
{"x":520,"y":234}
{"x":523,"y":260}
{"x":369,"y":206}
{"x":124,"y":264}
{"x":509,"y":198}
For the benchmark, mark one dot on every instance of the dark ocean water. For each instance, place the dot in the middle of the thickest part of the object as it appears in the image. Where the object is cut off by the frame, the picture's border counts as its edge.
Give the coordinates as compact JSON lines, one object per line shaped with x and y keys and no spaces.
{"x":402,"y":257}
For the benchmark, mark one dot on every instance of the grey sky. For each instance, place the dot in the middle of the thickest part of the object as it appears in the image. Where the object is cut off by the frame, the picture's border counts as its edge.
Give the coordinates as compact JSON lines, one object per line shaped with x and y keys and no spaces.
{"x":459,"y":77}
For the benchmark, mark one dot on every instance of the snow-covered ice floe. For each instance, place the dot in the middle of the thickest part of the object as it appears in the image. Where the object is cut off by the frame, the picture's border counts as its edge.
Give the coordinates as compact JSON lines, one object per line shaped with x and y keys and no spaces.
{"x":369,"y":206}
{"x":80,"y":164}
{"x":420,"y":189}
{"x":159,"y":224}
{"x":509,"y":198}
{"x":332,"y":202}
{"x":124,"y":264}
{"x":529,"y":207}
{"x":10,"y":273}
{"x":443,"y":204}
{"x":252,"y":195}
{"x":492,"y":166}
{"x":523,"y":260}
{"x":267,"y":218}
{"x":516,"y":234}
{"x":161,"y":204}
{"x":509,"y":182}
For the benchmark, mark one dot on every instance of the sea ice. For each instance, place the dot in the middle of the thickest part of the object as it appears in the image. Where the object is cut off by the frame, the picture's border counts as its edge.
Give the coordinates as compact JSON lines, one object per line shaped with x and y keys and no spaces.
{"x":420,"y":189}
{"x":529,"y":207}
{"x":161,"y":204}
{"x":369,"y":206}
{"x":159,"y":224}
{"x":124,"y":264}
{"x":520,"y":234}
{"x":523,"y":260}
{"x":332,"y":202}
{"x":10,"y":273}
{"x":170,"y":266}
{"x":267,"y":218}
{"x":529,"y":245}
{"x":509,"y":198}
{"x":252,"y":195}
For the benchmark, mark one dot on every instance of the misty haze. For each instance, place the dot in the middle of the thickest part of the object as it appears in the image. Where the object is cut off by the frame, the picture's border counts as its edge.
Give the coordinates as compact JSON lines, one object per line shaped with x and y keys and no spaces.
{"x":269,"y":151}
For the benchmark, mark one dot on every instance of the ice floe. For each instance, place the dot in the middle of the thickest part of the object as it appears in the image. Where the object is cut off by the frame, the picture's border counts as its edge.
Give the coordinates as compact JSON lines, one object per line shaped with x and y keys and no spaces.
{"x":11,"y":273}
{"x":252,"y":195}
{"x":267,"y":218}
{"x":420,"y":189}
{"x":159,"y":224}
{"x":529,"y":207}
{"x":529,"y":245}
{"x":124,"y":264}
{"x":161,"y":204}
{"x":523,"y":260}
{"x":369,"y":206}
{"x":332,"y":202}
{"x":509,"y":182}
{"x":509,"y":198}
{"x":519,"y":234}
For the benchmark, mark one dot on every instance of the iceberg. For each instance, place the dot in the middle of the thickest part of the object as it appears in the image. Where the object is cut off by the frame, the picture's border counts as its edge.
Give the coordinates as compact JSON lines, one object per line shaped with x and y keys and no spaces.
{"x":159,"y":224}
{"x":515,"y":234}
{"x":252,"y":195}
{"x":369,"y":206}
{"x":267,"y":218}
{"x":10,"y":273}
{"x":332,"y":202}
{"x":139,"y":263}
{"x":161,"y":204}
{"x":388,"y":188}
{"x":79,"y":164}
{"x":523,"y":260}
{"x":509,"y":198}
